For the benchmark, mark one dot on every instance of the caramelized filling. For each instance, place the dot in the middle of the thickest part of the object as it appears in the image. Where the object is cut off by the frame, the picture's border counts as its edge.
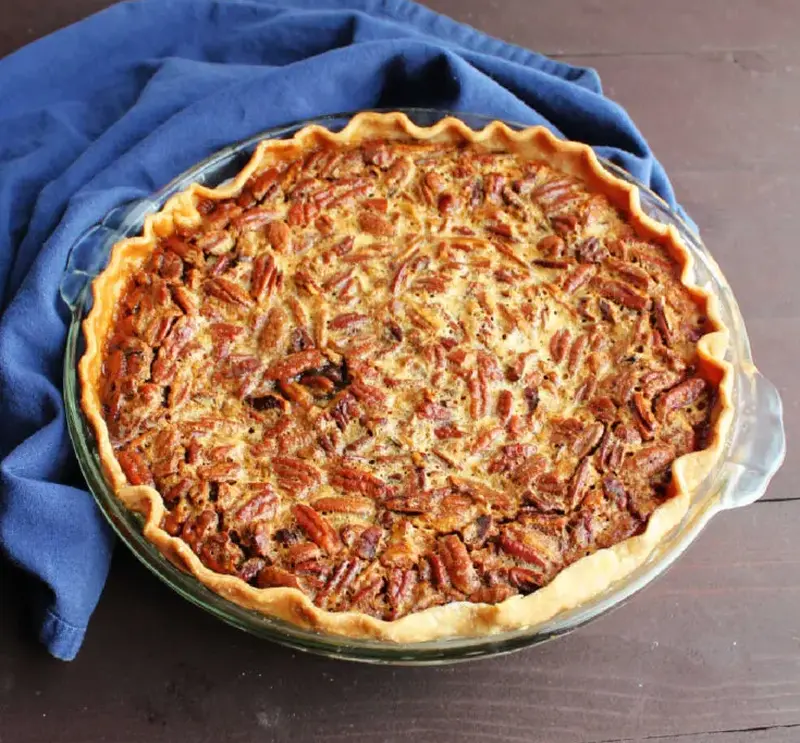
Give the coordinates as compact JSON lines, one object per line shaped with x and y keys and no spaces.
{"x":399,"y":375}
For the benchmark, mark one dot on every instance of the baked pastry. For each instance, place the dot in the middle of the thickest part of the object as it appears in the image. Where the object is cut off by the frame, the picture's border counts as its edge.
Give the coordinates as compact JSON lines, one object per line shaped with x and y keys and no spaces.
{"x":407,"y":383}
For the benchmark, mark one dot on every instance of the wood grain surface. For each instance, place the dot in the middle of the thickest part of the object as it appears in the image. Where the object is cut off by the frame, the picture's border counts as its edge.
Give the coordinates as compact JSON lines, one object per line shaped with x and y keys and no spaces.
{"x":710,"y":653}
{"x":710,"y":646}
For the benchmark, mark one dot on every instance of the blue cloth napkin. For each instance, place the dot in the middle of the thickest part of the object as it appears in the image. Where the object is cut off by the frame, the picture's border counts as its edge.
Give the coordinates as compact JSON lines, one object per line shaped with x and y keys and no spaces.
{"x":112,"y":108}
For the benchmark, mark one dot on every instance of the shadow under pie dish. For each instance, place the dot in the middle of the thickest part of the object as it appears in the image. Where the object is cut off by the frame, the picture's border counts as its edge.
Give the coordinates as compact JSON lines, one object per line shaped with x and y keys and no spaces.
{"x":407,"y":383}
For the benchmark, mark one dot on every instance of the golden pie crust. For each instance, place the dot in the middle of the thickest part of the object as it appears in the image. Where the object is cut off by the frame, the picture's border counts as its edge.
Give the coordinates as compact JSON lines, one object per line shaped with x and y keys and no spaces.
{"x":474,"y":300}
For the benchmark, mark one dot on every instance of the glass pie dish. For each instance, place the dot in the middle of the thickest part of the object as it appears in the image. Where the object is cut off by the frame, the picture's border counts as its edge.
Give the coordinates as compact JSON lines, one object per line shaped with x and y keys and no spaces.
{"x":753,"y":451}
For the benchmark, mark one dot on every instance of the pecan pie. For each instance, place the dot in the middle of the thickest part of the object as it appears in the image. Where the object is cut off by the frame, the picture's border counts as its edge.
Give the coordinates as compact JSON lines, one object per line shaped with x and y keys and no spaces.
{"x":404,"y":382}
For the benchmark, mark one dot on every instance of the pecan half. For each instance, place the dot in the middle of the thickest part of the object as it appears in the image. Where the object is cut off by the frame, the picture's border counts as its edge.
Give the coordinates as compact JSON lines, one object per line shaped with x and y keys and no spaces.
{"x":458,"y":564}
{"x":377,"y":205}
{"x":680,"y":396}
{"x":510,"y":457}
{"x":564,"y":224}
{"x":262,"y":505}
{"x":662,"y":322}
{"x":348,"y":320}
{"x":447,"y":204}
{"x":263,"y":184}
{"x":575,"y":353}
{"x":587,"y":440}
{"x":513,"y":542}
{"x":559,"y":344}
{"x":411,"y":503}
{"x":525,"y":472}
{"x":629,"y":272}
{"x":400,"y":590}
{"x":228,"y":292}
{"x":615,"y":490}
{"x":492,"y":594}
{"x":650,"y":460}
{"x":657,"y":381}
{"x":279,"y":236}
{"x":644,"y":419}
{"x":345,"y":504}
{"x":135,"y":467}
{"x":552,"y":246}
{"x":250,"y":568}
{"x":317,"y":528}
{"x":366,"y":546}
{"x":273,"y":577}
{"x":344,"y":409}
{"x":262,"y":279}
{"x":294,"y":364}
{"x":295,"y":475}
{"x":432,"y":411}
{"x":448,"y":431}
{"x":275,"y":329}
{"x":578,"y":278}
{"x":525,"y":580}
{"x":532,"y":399}
{"x":505,"y":402}
{"x":578,"y":483}
{"x":477,"y":385}
{"x":591,"y":251}
{"x":374,"y":224}
{"x":353,"y":480}
{"x":620,"y":293}
{"x":341,"y":580}
{"x":190,"y":254}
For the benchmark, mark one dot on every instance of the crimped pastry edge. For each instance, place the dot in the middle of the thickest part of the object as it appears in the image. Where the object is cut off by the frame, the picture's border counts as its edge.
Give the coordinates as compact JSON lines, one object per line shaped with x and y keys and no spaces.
{"x":583,"y":580}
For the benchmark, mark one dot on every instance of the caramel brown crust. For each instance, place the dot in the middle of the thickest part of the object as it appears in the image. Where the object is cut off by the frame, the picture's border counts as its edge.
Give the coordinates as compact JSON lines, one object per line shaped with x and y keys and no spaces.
{"x":520,"y":558}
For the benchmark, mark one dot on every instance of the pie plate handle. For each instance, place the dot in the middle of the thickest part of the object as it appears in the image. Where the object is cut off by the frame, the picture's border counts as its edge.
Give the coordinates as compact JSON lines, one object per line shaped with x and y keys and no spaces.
{"x":84,"y":262}
{"x":760,"y":444}
{"x":89,"y":253}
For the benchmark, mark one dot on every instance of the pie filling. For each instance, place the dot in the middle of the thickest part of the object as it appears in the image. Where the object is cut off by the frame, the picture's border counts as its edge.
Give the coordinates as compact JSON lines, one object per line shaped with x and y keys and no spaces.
{"x":400,"y":374}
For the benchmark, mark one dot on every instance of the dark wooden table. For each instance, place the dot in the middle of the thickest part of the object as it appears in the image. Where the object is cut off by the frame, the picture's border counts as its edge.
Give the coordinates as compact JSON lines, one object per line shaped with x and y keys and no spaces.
{"x":708,"y":654}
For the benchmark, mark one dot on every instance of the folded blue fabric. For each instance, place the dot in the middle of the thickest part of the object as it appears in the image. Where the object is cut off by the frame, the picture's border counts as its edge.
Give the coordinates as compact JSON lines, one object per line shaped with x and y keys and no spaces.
{"x":114,"y":107}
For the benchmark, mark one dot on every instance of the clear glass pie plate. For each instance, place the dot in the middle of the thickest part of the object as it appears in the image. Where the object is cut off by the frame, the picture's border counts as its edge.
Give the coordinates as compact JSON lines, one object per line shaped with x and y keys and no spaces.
{"x":754,"y":450}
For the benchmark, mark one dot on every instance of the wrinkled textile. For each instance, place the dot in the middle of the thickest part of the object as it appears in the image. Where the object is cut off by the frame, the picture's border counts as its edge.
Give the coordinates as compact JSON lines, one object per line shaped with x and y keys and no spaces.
{"x":112,"y":108}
